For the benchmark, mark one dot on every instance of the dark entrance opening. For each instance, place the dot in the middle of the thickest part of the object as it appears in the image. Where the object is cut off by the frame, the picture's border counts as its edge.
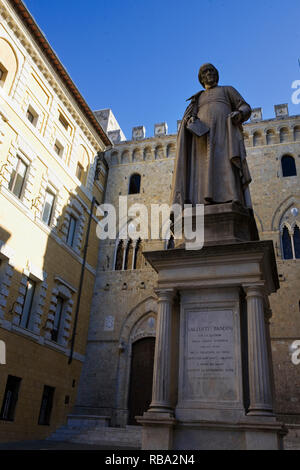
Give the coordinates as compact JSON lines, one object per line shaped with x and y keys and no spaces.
{"x":141,"y":377}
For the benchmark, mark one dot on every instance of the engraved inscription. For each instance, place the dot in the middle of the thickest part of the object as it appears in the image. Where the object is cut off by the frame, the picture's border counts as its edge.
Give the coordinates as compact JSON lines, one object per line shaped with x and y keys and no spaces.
{"x":209,"y":356}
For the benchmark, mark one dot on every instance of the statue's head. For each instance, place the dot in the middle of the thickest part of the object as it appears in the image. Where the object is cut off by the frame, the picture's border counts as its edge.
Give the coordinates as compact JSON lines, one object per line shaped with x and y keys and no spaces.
{"x":208,"y":75}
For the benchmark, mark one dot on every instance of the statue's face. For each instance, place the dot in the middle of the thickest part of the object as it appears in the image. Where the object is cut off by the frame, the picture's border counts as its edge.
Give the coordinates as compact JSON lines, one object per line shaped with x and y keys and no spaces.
{"x":209,"y":76}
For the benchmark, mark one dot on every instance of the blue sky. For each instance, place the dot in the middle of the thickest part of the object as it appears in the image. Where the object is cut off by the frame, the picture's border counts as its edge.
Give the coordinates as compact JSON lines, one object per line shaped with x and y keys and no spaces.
{"x":141,"y":57}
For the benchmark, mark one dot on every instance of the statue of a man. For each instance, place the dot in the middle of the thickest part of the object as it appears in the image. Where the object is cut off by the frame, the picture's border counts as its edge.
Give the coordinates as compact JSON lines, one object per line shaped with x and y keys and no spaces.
{"x":210,"y":164}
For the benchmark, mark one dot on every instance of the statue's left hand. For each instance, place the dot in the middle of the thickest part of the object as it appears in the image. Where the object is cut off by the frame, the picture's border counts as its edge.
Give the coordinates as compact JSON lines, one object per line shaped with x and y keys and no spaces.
{"x":236,"y":117}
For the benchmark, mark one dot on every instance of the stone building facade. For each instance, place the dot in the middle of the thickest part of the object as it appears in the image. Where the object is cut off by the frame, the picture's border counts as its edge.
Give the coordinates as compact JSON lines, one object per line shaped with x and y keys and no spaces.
{"x":124,"y":306}
{"x":49,"y":140}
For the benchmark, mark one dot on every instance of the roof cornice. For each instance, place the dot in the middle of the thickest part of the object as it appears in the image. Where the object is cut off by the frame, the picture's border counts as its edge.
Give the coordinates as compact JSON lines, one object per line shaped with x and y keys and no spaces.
{"x":47,"y":50}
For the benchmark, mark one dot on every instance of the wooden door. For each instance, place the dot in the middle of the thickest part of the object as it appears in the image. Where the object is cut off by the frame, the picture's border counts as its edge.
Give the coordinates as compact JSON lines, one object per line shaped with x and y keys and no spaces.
{"x":141,"y":377}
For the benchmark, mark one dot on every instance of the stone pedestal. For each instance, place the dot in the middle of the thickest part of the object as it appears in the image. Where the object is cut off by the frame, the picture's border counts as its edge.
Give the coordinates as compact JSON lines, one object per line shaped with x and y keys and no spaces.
{"x":222,"y":395}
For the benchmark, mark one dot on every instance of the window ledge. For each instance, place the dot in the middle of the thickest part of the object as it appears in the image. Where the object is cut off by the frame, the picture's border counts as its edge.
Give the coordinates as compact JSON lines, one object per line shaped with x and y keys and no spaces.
{"x":16,"y":201}
{"x":28,"y":333}
{"x":54,"y":345}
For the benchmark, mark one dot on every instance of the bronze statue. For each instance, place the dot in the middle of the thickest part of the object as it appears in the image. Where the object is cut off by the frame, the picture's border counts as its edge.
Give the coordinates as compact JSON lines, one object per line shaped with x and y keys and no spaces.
{"x":210,"y":164}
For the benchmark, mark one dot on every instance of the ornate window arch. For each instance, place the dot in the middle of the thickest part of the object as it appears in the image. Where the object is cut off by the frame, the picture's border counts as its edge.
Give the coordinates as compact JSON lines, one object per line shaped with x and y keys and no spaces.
{"x":8,"y":65}
{"x":290,"y":241}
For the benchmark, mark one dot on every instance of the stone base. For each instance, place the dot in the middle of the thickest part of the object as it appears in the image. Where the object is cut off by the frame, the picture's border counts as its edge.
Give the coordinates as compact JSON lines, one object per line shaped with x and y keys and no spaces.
{"x":225,"y":223}
{"x":229,"y":436}
{"x":157,"y":431}
{"x":161,"y":431}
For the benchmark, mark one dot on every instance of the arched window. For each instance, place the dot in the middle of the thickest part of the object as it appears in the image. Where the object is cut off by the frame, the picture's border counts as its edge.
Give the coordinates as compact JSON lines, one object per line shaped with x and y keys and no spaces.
{"x":134,"y":184}
{"x":296,"y":240}
{"x":286,"y":244}
{"x":159,"y":152}
{"x":170,"y":151}
{"x":257,"y":139}
{"x":297,"y":133}
{"x":288,"y":166}
{"x":137,"y":264}
{"x":119,"y":256}
{"x":125,"y":157}
{"x":147,"y":154}
{"x":128,"y":255}
{"x":8,"y":65}
{"x":284,"y":134}
{"x":270,"y":136}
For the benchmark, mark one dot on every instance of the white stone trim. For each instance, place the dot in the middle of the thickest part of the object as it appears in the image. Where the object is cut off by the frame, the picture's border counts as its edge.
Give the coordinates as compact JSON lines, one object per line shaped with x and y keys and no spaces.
{"x":66,"y":291}
{"x":75,"y":209}
{"x":30,"y":271}
{"x":6,"y":273}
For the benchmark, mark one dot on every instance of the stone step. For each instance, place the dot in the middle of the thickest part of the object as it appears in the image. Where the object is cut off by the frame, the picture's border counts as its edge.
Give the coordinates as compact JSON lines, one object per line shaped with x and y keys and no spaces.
{"x":130,"y":436}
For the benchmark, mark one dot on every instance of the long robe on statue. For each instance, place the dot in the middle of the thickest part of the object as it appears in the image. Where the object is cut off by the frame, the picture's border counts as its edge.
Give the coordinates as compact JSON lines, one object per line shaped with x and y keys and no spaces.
{"x":212,"y":169}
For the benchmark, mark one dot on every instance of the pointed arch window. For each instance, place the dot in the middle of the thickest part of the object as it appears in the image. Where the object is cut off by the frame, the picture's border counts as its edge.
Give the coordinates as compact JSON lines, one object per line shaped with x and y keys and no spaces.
{"x":134,"y":184}
{"x":128,"y":255}
{"x":288,"y":166}
{"x":296,"y":241}
{"x":290,"y":243}
{"x":137,"y":262}
{"x":119,"y":256}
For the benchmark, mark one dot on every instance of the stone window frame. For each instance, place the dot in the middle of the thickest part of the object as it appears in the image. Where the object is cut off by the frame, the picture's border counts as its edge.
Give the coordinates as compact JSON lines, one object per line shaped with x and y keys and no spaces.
{"x":49,"y":180}
{"x":61,"y":289}
{"x":75,"y":209}
{"x":126,"y":245}
{"x":18,"y":151}
{"x":291,"y":229}
{"x":6,"y":273}
{"x":31,"y":104}
{"x":39,"y":277}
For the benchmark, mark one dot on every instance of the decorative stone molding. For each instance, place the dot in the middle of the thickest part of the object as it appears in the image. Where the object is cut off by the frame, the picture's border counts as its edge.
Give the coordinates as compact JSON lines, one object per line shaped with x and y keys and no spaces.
{"x":6,"y":273}
{"x":35,"y":59}
{"x":63,"y":289}
{"x":74,"y":208}
{"x":38,"y":301}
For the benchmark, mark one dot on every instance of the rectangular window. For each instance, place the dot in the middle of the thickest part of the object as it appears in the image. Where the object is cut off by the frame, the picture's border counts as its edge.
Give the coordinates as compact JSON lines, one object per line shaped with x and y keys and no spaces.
{"x":18,"y":177}
{"x":79,"y":171}
{"x":58,"y":148}
{"x":3,"y":74}
{"x":71,"y":231}
{"x":46,"y":405}
{"x":32,"y":116}
{"x":48,"y":207}
{"x":10,"y":398}
{"x":28,"y":303}
{"x":57,"y":319}
{"x":63,"y":121}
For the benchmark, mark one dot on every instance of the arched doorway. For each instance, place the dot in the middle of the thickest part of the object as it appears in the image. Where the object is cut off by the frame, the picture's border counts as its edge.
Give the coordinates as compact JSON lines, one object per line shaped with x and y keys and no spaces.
{"x":141,"y":376}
